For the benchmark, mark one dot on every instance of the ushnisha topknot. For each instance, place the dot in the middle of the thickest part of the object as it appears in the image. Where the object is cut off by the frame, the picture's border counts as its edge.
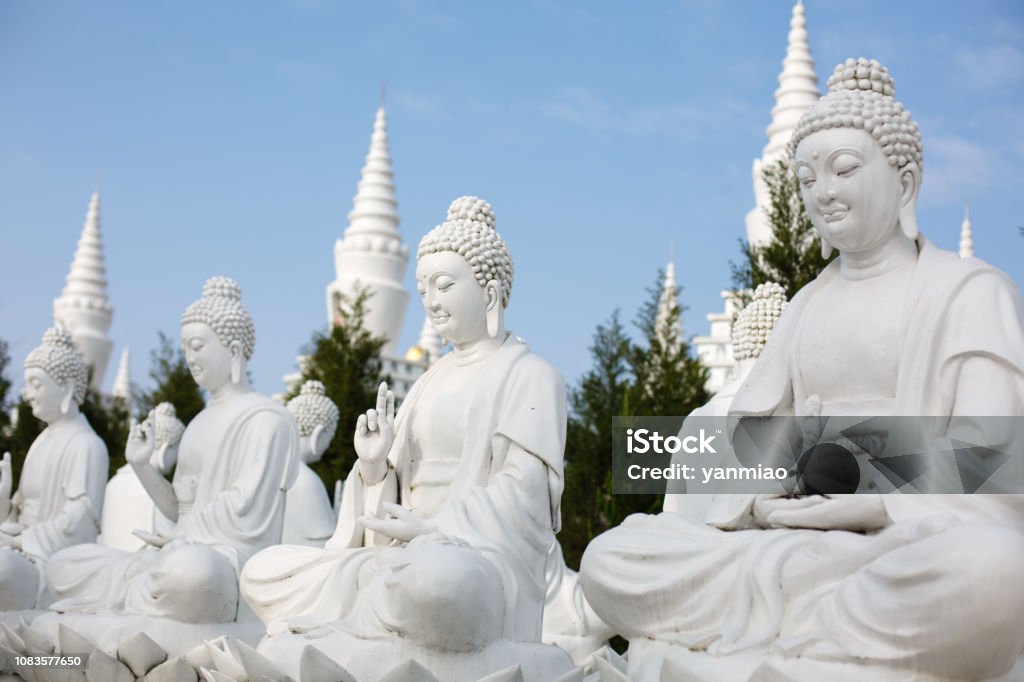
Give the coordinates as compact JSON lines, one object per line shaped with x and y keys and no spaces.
{"x":312,"y":407}
{"x":469,"y":231}
{"x":221,"y":309}
{"x":58,"y":357}
{"x":755,"y":322}
{"x":168,"y":428}
{"x":861,"y":95}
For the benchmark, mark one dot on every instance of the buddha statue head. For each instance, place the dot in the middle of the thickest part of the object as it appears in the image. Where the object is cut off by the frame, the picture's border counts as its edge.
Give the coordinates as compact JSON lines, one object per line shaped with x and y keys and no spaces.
{"x":168,"y":430}
{"x":464,"y":274}
{"x":858,"y":156}
{"x":56,"y":377}
{"x":218,"y":336}
{"x":317,"y":417}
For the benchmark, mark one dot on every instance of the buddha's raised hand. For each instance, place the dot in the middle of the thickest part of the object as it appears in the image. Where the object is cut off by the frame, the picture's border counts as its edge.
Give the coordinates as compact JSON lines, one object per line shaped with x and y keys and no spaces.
{"x":375,"y":432}
{"x":141,"y":442}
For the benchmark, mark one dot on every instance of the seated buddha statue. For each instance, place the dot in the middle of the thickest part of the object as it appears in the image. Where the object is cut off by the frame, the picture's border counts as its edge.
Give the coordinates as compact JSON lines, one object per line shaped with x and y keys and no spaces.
{"x":236,"y":459}
{"x":450,"y":510}
{"x":865,"y":586}
{"x":60,"y":493}
{"x":127,"y":506}
{"x":308,"y":515}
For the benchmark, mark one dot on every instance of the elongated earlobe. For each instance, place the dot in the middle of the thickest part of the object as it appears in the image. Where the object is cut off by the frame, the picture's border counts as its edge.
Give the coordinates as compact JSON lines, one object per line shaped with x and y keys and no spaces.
{"x":236,"y":362}
{"x":826,"y":248}
{"x":493,"y":309}
{"x":65,"y":402}
{"x":909,"y":180}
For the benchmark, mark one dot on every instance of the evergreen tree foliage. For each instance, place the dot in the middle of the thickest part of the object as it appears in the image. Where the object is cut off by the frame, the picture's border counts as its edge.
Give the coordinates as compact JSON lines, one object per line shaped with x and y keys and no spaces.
{"x":346,"y":360}
{"x":110,"y":418}
{"x":601,"y":394}
{"x":793,"y":256}
{"x":173,"y":382}
{"x":5,"y":386}
{"x":656,"y":377}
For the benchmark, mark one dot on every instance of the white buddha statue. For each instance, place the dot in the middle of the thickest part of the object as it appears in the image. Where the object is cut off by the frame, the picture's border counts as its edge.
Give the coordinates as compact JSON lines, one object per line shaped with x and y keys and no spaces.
{"x":127,"y":505}
{"x":449,"y":512}
{"x":60,"y":493}
{"x":309,"y":518}
{"x":880,"y":587}
{"x":236,"y":460}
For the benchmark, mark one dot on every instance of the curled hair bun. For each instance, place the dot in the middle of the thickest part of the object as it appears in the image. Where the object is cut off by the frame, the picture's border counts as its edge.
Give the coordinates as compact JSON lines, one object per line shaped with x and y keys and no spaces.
{"x":222,"y":287}
{"x":862,"y":74}
{"x":473,"y":209}
{"x":312,"y":388}
{"x":58,"y":337}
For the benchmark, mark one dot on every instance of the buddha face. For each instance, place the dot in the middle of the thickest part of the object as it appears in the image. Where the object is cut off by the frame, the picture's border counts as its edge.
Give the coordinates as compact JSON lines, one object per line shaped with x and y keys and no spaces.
{"x":852,"y":195}
{"x":44,"y":394}
{"x":455,"y":302}
{"x":208,"y":359}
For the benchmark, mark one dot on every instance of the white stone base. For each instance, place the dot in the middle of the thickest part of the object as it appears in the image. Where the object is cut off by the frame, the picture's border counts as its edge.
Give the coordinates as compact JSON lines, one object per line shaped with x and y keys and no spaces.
{"x":647,"y":659}
{"x":14,"y":618}
{"x":175,"y":637}
{"x":369,"y":660}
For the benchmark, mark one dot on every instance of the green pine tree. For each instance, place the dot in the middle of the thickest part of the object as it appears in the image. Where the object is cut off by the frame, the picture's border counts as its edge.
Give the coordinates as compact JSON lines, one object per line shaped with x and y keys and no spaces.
{"x":601,"y":394}
{"x":793,"y":256}
{"x":346,"y":360}
{"x":5,"y":386}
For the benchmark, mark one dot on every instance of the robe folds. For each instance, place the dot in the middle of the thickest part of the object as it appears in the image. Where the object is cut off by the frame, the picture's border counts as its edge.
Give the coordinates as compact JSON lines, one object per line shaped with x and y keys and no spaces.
{"x":59,"y":501}
{"x":933,"y":591}
{"x":238,"y":510}
{"x":518,"y":413}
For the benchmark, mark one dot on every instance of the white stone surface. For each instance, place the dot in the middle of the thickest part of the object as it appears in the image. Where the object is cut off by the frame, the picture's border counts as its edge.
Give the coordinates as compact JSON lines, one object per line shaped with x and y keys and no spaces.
{"x":966,"y":236}
{"x":371,"y":254}
{"x":448,"y":516}
{"x":798,"y":90}
{"x":237,"y":458}
{"x":84,"y":308}
{"x":123,"y":380}
{"x":127,"y":505}
{"x":714,"y":350}
{"x":309,"y":518}
{"x":849,"y":586}
{"x":60,"y":492}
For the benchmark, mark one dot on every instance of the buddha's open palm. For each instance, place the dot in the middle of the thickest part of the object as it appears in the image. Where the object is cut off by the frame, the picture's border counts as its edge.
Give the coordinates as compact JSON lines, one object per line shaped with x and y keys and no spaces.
{"x":141,"y":441}
{"x":375,"y":430}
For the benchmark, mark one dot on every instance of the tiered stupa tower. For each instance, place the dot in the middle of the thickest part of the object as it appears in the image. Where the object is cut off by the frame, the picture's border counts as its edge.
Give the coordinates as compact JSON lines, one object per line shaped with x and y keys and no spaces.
{"x":84,"y":308}
{"x":798,"y":90}
{"x":371,"y":254}
{"x":669,"y":298}
{"x":123,"y":380}
{"x":966,"y":236}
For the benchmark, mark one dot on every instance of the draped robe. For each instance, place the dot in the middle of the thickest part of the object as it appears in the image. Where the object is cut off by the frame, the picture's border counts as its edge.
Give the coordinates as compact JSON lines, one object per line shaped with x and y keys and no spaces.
{"x":60,"y":497}
{"x":937,"y":590}
{"x":519,"y":400}
{"x":238,"y":510}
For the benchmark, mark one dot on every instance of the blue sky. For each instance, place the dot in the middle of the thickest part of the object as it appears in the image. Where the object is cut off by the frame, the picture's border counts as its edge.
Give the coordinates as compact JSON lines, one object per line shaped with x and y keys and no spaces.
{"x":229,"y":137}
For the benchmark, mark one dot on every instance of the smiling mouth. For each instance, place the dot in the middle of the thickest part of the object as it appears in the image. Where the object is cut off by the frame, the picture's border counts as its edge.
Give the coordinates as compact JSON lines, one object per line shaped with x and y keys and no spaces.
{"x":440,"y":317}
{"x":835,"y":214}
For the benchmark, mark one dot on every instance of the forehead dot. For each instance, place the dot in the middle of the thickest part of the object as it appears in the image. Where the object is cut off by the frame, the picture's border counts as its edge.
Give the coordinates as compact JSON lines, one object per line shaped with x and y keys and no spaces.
{"x":814,"y":154}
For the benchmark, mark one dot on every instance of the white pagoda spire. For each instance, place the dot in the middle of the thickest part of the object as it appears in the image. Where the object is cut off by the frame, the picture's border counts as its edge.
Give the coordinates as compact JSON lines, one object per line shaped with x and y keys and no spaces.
{"x":431,"y":342}
{"x":966,"y":236}
{"x":371,"y":254}
{"x":83,"y":307}
{"x":123,"y":381}
{"x":669,"y":298}
{"x":797,"y":91}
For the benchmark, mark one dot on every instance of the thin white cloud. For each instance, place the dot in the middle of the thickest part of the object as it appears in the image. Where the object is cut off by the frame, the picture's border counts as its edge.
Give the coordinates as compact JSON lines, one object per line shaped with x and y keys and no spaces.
{"x":586,"y":109}
{"x":954,"y":166}
{"x":990,"y":67}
